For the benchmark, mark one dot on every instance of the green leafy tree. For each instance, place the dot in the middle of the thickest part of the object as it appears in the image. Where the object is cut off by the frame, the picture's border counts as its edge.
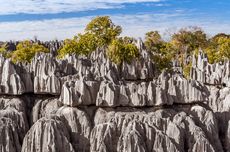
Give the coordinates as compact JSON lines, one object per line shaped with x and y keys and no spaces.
{"x":82,"y":44}
{"x":215,"y":38}
{"x":219,"y":48}
{"x":103,"y":29}
{"x":87,"y":43}
{"x":163,"y":59}
{"x":186,"y":42}
{"x":120,"y":51}
{"x":153,"y":41}
{"x":162,"y":52}
{"x":98,"y":33}
{"x":189,"y":39}
{"x":26,"y":50}
{"x":70,"y":46}
{"x":4,"y":52}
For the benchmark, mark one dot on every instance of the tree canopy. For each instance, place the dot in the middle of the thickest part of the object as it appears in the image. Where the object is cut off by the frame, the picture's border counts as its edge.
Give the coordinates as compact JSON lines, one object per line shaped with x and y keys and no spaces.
{"x":121,"y":50}
{"x":162,"y":52}
{"x":103,"y":30}
{"x":98,"y":33}
{"x":218,"y":48}
{"x":26,"y":50}
{"x":189,"y":39}
{"x":3,"y":51}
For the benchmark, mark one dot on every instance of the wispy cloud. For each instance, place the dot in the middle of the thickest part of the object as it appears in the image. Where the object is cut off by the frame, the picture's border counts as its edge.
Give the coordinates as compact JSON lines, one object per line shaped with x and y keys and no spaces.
{"x":135,"y":25}
{"x":57,"y":6}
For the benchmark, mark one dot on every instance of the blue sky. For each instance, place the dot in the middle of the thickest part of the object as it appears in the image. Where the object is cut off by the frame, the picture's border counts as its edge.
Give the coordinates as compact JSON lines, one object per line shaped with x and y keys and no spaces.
{"x":60,"y":19}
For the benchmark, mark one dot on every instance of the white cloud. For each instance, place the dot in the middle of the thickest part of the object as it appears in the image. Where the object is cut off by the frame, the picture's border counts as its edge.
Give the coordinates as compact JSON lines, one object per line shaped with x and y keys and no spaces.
{"x":57,"y":6}
{"x":133,"y":25}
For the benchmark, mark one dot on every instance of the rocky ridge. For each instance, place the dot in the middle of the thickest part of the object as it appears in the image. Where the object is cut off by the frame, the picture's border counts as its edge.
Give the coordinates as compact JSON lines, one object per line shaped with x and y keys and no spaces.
{"x":83,"y":104}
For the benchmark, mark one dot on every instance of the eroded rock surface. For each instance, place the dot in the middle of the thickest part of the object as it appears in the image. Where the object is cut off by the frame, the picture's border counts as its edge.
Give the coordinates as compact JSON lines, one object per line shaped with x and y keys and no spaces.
{"x":155,"y":130}
{"x":89,"y":104}
{"x":48,"y":134}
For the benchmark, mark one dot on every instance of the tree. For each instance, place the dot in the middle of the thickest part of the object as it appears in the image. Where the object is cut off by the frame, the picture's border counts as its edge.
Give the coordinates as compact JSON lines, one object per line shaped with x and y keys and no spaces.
{"x":87,"y":43}
{"x":98,"y":33}
{"x":122,"y":51}
{"x":4,"y":52}
{"x":82,"y":44}
{"x":153,"y":41}
{"x":103,"y":29}
{"x":26,"y":50}
{"x":163,"y":59}
{"x":219,"y":35}
{"x":219,"y":48}
{"x":162,"y":52}
{"x":189,"y":39}
{"x":70,"y":46}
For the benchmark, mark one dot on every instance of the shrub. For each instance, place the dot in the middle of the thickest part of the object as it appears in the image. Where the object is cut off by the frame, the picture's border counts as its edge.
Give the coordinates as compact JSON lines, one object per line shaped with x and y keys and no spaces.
{"x":83,"y":44}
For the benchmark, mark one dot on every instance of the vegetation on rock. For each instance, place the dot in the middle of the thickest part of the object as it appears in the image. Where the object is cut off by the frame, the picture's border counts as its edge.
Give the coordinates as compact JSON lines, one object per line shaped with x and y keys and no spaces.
{"x":26,"y":50}
{"x":218,"y":48}
{"x":162,"y":52}
{"x":101,"y":32}
{"x":4,"y":52}
{"x":121,"y":50}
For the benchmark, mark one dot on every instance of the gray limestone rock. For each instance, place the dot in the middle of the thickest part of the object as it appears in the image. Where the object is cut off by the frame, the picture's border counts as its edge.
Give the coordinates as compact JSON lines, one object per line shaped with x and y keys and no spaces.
{"x":44,"y":108}
{"x":79,"y":126}
{"x":87,"y":103}
{"x":140,"y":130}
{"x":9,"y":136}
{"x":48,"y":134}
{"x":12,"y":82}
{"x":15,"y":109}
{"x":79,"y":92}
{"x":45,"y":71}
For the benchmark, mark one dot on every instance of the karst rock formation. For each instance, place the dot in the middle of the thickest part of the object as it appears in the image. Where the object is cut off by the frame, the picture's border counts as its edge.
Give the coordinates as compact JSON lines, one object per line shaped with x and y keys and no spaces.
{"x":89,"y":104}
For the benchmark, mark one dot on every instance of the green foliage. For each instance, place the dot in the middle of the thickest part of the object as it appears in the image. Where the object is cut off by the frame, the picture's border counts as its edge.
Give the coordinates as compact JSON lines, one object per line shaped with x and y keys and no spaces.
{"x":164,"y":58}
{"x":153,"y":41}
{"x":87,"y":43}
{"x":82,"y":44}
{"x":98,"y":33}
{"x":120,"y":50}
{"x":186,"y":42}
{"x":186,"y":70}
{"x":26,"y":50}
{"x":162,"y":52}
{"x":189,"y":39}
{"x":70,"y":46}
{"x":4,"y":52}
{"x":219,"y":48}
{"x":103,"y":29}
